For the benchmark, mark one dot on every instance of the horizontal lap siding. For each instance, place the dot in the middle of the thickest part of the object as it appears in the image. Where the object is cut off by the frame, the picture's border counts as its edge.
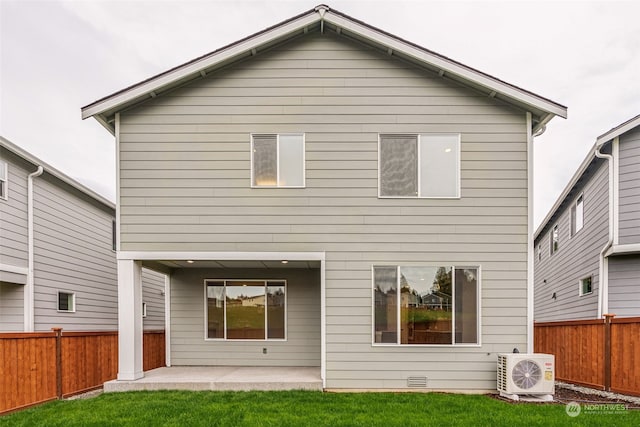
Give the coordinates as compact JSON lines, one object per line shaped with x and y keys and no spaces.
{"x":302,"y":347}
{"x":624,"y":285}
{"x":11,"y":307}
{"x":629,"y":213}
{"x":13,"y":212}
{"x":73,"y":253}
{"x":185,"y":185}
{"x":576,"y":258}
{"x":153,"y":295}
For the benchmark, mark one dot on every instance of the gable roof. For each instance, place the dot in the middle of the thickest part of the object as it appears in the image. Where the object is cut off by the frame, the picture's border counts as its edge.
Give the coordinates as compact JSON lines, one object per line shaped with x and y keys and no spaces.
{"x":10,"y":146}
{"x":320,"y":19}
{"x":586,"y":165}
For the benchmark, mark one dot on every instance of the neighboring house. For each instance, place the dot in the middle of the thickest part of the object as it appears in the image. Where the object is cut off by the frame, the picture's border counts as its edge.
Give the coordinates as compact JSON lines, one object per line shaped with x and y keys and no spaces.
{"x":587,"y":260}
{"x":330,"y":162}
{"x":57,"y":252}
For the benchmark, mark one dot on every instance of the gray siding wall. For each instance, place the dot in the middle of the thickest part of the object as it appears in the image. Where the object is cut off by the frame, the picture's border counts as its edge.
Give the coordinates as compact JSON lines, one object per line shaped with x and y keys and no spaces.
{"x":629,"y":190}
{"x":624,"y":285}
{"x":13,"y":212}
{"x":73,"y":253}
{"x":185,"y":186}
{"x":188,"y":346}
{"x":11,"y":305}
{"x":577,"y":256}
{"x":153,"y":295}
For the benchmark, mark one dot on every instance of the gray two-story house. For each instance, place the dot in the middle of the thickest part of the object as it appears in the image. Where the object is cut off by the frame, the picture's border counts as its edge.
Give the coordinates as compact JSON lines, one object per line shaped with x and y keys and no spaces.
{"x":325,"y":194}
{"x":587,"y":249}
{"x":57,"y":252}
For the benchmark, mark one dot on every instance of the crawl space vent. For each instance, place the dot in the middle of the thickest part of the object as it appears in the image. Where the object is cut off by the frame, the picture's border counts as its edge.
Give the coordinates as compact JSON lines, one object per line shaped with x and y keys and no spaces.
{"x":416,"y":382}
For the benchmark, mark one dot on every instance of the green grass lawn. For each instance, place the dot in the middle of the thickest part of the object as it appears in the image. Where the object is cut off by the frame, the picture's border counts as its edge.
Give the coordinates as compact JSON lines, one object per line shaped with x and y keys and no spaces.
{"x":299,"y":408}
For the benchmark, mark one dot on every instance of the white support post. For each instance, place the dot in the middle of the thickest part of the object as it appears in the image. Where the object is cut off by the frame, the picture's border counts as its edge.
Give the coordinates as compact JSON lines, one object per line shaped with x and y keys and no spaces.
{"x":129,"y":320}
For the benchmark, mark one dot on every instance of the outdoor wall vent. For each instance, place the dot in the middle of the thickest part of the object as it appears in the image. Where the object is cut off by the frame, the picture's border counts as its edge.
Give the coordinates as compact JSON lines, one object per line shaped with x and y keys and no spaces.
{"x":417,"y":382}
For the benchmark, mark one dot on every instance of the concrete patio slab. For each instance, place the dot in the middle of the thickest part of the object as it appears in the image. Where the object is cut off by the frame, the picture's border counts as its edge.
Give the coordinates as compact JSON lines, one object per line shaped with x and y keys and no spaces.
{"x":222,"y":378}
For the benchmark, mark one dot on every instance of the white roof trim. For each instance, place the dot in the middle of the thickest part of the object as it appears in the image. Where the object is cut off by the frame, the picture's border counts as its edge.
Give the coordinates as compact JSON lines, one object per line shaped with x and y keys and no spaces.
{"x":619,"y":130}
{"x":54,"y":172}
{"x":321,"y":13}
{"x":601,"y":140}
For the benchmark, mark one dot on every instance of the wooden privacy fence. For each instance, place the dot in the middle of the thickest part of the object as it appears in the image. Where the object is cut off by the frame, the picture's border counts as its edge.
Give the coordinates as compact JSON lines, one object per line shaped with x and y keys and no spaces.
{"x":40,"y":366}
{"x":600,"y":353}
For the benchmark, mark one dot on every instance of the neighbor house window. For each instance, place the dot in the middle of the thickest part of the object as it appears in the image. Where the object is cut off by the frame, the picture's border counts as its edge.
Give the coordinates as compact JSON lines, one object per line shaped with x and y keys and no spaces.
{"x":277,"y":160}
{"x":4,"y":182}
{"x":426,"y":305}
{"x":419,"y":165}
{"x":577,"y":215}
{"x":246,"y":309}
{"x":114,"y":239}
{"x":539,"y":252}
{"x":144,"y":309}
{"x":554,"y":240}
{"x":66,"y":301}
{"x":585,"y":286}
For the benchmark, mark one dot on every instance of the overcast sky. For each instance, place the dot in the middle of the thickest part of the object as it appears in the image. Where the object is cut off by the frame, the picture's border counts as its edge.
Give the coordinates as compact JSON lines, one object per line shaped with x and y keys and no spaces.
{"x":57,"y":56}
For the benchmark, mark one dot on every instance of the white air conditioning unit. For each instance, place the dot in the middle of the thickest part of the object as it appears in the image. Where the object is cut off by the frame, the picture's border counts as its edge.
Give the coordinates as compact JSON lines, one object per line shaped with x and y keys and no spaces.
{"x":526,"y":376}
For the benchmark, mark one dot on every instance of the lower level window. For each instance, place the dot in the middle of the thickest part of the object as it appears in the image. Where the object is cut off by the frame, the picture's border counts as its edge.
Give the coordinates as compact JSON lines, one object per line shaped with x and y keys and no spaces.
{"x":245,"y":309}
{"x":66,"y":301}
{"x":426,"y":305}
{"x":585,"y":286}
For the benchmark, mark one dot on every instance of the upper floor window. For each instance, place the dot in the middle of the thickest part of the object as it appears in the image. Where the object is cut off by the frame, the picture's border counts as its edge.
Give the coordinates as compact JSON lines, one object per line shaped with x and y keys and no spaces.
{"x":426,"y":165}
{"x":4,"y":182}
{"x":277,"y":160}
{"x":416,"y":305}
{"x":554,"y":240}
{"x":577,"y":215}
{"x":539,"y":252}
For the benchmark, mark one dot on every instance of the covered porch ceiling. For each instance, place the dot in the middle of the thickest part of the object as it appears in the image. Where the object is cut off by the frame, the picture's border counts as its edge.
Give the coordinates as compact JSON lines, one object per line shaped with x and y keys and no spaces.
{"x":231,"y":264}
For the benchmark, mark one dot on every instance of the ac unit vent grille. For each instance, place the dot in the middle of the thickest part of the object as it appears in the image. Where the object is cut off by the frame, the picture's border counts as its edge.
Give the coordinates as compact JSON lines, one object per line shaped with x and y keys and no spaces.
{"x":502,"y":372}
{"x":417,"y":382}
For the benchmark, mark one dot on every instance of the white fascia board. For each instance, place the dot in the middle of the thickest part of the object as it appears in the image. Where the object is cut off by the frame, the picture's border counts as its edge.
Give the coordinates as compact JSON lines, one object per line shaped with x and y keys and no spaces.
{"x":447,"y":65}
{"x":55,"y":172}
{"x":220,"y":256}
{"x":617,"y":131}
{"x":193,"y":68}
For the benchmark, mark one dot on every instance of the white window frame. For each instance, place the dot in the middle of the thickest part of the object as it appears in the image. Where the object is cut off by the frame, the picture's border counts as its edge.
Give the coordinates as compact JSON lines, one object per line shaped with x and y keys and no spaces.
{"x":304,"y":161}
{"x":580,"y":287}
{"x":4,"y":181}
{"x":453,"y":314}
{"x":73,"y":301}
{"x":580,"y":198}
{"x":225,"y":339}
{"x":418,"y":154}
{"x":553,"y":250}
{"x":144,"y":309}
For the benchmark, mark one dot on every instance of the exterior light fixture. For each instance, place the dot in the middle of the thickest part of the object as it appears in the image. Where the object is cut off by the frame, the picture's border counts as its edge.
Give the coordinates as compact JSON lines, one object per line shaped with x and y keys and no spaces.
{"x":190,"y":261}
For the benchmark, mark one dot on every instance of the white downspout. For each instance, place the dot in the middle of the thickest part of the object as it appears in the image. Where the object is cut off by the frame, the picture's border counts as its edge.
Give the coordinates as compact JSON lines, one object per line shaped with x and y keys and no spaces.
{"x":29,"y":315}
{"x":603,"y":264}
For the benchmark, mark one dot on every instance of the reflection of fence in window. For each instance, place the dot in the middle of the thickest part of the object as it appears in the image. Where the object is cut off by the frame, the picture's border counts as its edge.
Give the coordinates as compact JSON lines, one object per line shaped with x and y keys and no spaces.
{"x":434,"y":308}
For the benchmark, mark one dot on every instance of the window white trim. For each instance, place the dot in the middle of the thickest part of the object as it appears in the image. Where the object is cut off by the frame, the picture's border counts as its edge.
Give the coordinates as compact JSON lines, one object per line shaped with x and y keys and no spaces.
{"x":4,"y":182}
{"x":397,"y":344}
{"x":304,"y":161}
{"x":419,"y":172}
{"x":579,"y":201}
{"x":225,"y":339}
{"x":581,"y":287}
{"x":552,"y":239}
{"x":72,"y":296}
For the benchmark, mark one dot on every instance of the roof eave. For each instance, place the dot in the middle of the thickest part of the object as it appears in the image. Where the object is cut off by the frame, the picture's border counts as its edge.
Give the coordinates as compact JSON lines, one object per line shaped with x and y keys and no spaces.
{"x":55,"y":172}
{"x":150,"y":88}
{"x":619,"y":130}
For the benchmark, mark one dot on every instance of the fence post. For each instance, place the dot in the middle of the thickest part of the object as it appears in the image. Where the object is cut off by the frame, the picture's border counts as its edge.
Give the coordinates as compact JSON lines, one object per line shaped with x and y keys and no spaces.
{"x":607,"y":351}
{"x":58,"y":332}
